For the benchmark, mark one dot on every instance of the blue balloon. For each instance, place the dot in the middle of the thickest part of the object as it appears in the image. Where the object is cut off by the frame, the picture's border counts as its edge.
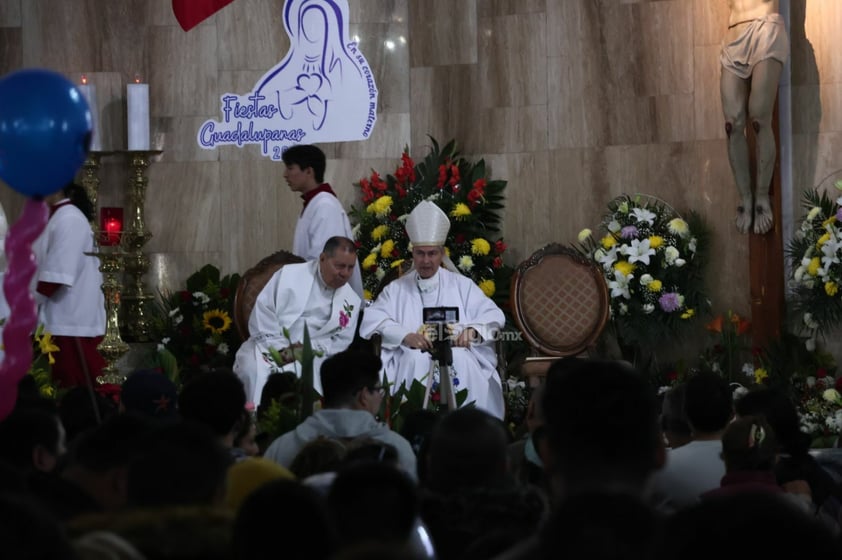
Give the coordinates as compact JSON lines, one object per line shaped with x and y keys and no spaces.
{"x":45,"y":131}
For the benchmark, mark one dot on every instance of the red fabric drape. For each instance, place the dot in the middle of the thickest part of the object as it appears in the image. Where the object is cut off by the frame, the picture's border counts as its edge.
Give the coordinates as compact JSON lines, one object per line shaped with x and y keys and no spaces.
{"x":191,"y":13}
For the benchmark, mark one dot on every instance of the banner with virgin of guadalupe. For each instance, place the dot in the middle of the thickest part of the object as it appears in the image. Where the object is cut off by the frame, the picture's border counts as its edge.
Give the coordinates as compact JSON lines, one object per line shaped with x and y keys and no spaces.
{"x":322,"y":91}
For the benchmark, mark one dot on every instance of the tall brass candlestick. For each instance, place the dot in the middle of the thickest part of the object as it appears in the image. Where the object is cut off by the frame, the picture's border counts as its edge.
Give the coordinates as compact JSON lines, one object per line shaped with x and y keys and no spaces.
{"x":112,"y":346}
{"x":137,"y":323}
{"x":90,"y":175}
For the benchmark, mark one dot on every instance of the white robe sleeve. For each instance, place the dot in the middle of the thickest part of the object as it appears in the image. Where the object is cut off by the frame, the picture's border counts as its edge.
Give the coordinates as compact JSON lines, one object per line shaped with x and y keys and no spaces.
{"x":379,"y":317}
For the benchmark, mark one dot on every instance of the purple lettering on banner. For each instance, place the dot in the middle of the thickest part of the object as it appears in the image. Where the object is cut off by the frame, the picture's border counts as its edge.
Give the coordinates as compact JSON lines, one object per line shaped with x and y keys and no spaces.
{"x":322,"y":90}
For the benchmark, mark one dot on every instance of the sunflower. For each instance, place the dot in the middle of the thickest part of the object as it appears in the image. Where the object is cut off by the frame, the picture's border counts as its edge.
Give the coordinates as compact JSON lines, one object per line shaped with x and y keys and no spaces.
{"x":216,"y":321}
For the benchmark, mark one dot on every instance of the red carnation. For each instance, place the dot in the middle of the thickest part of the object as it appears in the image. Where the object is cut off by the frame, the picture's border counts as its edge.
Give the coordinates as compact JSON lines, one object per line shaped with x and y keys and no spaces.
{"x":497,"y":262}
{"x":442,"y":177}
{"x":479,"y":185}
{"x":821,"y":373}
{"x":499,"y":246}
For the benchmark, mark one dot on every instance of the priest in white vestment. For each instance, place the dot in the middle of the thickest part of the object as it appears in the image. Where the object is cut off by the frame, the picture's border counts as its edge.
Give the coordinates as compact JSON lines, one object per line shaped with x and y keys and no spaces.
{"x":397,"y":315}
{"x":315,"y":293}
{"x":323,"y":216}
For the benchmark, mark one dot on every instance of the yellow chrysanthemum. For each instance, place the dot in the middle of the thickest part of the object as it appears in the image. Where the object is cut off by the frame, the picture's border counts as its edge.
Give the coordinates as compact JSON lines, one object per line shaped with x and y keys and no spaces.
{"x":460,"y":210}
{"x":608,"y":241}
{"x":379,"y":232}
{"x":380,"y":207}
{"x":759,"y":375}
{"x":396,"y":263}
{"x":813,"y":267}
{"x":387,"y":248}
{"x":624,"y":266}
{"x":216,"y":321}
{"x":368,"y":295}
{"x":654,"y":286}
{"x":830,"y":288}
{"x":688,"y":314}
{"x":480,"y":246}
{"x":370,"y":261}
{"x":679,"y":227}
{"x":823,"y":239}
{"x":447,"y":251}
{"x":655,"y":241}
{"x":47,"y":346}
{"x":488,"y":287}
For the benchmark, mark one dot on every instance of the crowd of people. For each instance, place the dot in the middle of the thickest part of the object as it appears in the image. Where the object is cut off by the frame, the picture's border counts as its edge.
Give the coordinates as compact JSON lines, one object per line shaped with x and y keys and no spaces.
{"x":604,"y":469}
{"x":172,"y":473}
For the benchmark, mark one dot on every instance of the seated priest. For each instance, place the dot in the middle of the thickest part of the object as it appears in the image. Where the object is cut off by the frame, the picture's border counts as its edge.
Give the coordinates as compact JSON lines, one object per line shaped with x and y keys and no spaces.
{"x":398,"y":316}
{"x":315,"y":293}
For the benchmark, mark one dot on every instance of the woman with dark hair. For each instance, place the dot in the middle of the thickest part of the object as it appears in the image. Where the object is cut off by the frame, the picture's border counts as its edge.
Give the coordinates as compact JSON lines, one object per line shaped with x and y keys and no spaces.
{"x":71,"y":303}
{"x":795,"y":462}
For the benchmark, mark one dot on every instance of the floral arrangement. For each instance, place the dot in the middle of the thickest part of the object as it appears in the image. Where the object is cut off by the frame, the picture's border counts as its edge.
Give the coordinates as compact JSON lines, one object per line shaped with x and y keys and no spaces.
{"x":814,"y":253}
{"x":194,"y":325}
{"x":461,"y":189}
{"x":820,"y":408}
{"x":653,"y":262}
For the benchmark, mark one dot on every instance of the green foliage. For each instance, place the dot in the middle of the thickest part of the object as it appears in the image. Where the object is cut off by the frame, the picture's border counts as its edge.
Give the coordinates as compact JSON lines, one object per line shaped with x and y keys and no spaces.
{"x":194,"y":326}
{"x":814,"y":253}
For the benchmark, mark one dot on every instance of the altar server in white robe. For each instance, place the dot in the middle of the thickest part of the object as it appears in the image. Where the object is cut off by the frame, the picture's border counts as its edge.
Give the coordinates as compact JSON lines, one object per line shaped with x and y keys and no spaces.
{"x":323,"y":216}
{"x":397,"y":315}
{"x":315,"y":293}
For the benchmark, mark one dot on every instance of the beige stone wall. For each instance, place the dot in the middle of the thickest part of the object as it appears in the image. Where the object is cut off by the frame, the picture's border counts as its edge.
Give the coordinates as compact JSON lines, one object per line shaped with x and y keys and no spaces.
{"x":572,"y":101}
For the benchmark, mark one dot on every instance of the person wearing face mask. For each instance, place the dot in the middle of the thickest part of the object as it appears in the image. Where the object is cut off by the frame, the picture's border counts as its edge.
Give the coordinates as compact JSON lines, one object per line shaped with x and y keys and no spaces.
{"x":314,"y":293}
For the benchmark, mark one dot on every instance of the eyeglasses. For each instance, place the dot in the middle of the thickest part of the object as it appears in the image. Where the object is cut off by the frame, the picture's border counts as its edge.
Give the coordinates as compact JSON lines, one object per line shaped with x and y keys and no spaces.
{"x":378,"y":389}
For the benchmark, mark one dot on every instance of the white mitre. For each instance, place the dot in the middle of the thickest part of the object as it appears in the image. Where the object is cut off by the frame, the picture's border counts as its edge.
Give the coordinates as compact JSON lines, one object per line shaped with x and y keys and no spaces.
{"x":427,"y":226}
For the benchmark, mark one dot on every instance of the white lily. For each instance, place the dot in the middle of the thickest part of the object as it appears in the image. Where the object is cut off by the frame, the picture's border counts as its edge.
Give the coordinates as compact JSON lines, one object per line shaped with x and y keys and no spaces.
{"x":638,"y":251}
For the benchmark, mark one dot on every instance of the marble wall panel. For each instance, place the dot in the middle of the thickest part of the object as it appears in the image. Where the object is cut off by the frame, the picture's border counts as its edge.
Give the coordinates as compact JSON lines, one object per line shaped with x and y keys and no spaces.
{"x":576,"y":104}
{"x":674,"y":118}
{"x":168,"y":271}
{"x":183,"y":207}
{"x":239,"y":24}
{"x":259,"y":212}
{"x":379,"y":11}
{"x":386,"y":48}
{"x":443,"y":32}
{"x":445,"y":101}
{"x":513,"y":130}
{"x":710,"y":21}
{"x":11,"y":49}
{"x":708,"y":120}
{"x":822,"y":23}
{"x":527,"y":220}
{"x":10,"y":13}
{"x":492,"y":8}
{"x":667,"y":50}
{"x":804,"y":69}
{"x":513,"y":60}
{"x":187,"y":85}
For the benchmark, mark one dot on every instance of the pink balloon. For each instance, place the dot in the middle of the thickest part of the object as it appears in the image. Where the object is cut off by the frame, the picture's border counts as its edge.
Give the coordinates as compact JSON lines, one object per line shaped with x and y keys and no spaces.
{"x":23,"y":316}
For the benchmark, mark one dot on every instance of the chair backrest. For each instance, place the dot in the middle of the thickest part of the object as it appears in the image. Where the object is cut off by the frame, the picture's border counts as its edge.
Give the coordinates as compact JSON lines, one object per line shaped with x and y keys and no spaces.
{"x":560,"y":301}
{"x":253,"y":282}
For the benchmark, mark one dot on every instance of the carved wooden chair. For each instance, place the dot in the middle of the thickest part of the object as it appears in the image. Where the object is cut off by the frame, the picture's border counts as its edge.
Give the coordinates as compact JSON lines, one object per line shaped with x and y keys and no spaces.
{"x":253,"y":282}
{"x":560,"y":303}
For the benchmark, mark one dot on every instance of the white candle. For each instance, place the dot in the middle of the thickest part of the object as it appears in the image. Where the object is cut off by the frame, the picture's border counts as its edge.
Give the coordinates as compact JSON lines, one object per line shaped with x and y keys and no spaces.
{"x":88,"y":91}
{"x":137,"y":99}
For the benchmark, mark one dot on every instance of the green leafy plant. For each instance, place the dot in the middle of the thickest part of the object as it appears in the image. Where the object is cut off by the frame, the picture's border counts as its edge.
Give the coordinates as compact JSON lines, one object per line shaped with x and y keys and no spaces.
{"x":815,"y":254}
{"x":194,"y":325}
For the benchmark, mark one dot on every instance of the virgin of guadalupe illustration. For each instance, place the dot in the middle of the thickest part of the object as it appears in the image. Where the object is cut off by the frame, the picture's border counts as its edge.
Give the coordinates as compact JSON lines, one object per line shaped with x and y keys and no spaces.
{"x":323,"y":82}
